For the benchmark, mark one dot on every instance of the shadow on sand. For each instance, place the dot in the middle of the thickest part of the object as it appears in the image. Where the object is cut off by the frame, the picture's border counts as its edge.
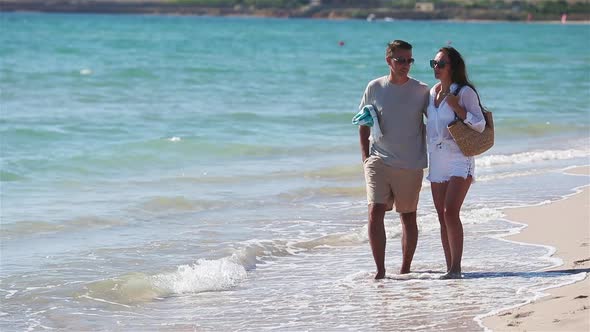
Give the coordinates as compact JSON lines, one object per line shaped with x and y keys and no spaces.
{"x":538,"y":274}
{"x":430,"y":274}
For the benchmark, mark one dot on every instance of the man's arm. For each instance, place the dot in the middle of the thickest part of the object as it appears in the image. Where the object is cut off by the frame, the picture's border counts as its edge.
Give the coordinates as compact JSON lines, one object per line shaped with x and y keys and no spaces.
{"x":364,"y":133}
{"x":426,"y":102}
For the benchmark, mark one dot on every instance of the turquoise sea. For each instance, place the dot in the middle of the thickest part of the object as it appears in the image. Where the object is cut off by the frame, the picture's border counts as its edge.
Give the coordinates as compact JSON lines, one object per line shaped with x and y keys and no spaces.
{"x":179,"y":173}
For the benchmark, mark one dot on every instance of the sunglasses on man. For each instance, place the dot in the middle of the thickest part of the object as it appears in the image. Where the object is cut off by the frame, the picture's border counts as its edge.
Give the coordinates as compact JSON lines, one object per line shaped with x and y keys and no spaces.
{"x":403,"y":61}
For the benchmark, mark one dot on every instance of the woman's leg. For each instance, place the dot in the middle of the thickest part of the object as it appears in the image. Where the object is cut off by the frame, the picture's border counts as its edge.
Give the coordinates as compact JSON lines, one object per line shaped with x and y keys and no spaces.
{"x":455,"y":195}
{"x":438,"y":196}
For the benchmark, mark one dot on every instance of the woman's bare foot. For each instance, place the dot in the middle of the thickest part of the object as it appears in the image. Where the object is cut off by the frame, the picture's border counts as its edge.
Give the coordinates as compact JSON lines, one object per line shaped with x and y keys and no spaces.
{"x":380,"y":275}
{"x":451,"y":275}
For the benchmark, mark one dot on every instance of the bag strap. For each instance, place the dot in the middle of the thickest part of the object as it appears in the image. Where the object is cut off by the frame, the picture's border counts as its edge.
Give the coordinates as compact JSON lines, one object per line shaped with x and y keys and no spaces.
{"x":456,"y":93}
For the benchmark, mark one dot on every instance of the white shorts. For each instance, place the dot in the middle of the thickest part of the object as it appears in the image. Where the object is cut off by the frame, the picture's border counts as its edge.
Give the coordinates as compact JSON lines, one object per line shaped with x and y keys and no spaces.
{"x":447,"y":160}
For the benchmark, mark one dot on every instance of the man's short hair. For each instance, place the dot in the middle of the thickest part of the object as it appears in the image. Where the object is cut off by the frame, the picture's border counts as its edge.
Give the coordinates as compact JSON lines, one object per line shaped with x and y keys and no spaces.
{"x":395,"y":45}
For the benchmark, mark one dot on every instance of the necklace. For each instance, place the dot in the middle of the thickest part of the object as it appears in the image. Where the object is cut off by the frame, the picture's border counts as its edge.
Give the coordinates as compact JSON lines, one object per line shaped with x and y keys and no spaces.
{"x":442,"y":94}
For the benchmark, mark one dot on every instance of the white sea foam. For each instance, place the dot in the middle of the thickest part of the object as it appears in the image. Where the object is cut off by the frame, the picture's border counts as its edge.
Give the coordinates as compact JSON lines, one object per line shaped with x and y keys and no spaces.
{"x":480,"y":216}
{"x":133,"y":288}
{"x":226,"y":272}
{"x":531,"y":157}
{"x":341,"y":239}
{"x":205,"y":275}
{"x":210,"y":275}
{"x":507,"y":175}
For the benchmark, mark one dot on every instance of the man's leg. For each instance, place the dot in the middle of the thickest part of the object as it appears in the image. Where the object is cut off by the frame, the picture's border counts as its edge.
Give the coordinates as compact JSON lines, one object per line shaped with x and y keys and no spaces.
{"x":409,"y":240}
{"x":377,"y":236}
{"x":406,"y":191}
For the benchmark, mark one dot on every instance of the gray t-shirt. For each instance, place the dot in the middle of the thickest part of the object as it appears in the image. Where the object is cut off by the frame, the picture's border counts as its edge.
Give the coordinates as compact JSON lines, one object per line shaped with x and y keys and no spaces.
{"x":400,"y":109}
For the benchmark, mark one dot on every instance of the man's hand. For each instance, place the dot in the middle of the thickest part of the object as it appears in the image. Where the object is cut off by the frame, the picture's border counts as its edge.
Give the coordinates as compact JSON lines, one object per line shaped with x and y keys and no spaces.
{"x":364,"y":133}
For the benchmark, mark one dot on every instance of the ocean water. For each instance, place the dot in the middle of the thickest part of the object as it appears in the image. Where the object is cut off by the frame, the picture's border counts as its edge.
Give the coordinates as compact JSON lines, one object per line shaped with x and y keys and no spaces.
{"x":165,"y":173}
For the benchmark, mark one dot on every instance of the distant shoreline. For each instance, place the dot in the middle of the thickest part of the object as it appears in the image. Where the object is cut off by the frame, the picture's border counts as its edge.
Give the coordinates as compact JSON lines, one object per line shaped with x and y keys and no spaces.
{"x":159,"y":7}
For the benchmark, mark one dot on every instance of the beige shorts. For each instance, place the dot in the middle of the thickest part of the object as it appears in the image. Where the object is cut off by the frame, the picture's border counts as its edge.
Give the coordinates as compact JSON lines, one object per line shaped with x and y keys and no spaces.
{"x":392,"y":186}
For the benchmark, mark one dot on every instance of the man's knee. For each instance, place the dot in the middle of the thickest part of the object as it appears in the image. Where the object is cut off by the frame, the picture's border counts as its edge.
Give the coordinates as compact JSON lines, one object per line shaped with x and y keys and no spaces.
{"x":408,"y":217}
{"x":377,"y":212}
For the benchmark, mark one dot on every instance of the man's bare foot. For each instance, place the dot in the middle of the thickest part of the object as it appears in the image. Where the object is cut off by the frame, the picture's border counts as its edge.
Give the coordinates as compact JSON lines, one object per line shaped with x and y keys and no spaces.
{"x":380,"y":275}
{"x":404,"y":271}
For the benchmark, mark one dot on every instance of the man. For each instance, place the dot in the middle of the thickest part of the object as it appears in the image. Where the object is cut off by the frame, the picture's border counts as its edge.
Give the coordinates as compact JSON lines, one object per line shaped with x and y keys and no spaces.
{"x":394,"y":164}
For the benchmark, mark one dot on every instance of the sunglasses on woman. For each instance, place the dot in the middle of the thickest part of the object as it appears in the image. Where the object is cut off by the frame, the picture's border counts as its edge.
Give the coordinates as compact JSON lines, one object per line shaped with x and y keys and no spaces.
{"x":441,"y":64}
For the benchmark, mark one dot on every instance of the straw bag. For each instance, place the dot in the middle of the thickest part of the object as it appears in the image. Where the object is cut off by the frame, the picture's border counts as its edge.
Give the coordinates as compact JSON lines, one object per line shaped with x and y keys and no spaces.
{"x":470,"y":141}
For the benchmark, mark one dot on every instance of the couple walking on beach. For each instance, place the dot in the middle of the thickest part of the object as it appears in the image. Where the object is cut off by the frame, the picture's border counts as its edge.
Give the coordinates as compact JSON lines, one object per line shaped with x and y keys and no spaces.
{"x":394,"y":161}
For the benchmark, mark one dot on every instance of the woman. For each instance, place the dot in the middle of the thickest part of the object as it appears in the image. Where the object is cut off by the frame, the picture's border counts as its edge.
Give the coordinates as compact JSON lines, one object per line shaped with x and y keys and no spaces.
{"x":451,"y":172}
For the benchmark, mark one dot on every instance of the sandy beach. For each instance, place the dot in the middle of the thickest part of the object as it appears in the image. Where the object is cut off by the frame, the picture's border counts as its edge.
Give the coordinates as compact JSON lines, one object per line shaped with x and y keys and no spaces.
{"x":564,"y":225}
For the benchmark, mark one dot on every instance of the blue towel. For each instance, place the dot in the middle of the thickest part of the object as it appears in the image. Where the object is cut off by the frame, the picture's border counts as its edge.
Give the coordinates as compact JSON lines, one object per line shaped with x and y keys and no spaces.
{"x":368,"y":117}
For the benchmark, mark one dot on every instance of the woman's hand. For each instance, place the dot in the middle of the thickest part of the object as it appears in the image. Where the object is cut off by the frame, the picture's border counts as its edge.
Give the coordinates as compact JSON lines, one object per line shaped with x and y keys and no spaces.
{"x":453,"y":101}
